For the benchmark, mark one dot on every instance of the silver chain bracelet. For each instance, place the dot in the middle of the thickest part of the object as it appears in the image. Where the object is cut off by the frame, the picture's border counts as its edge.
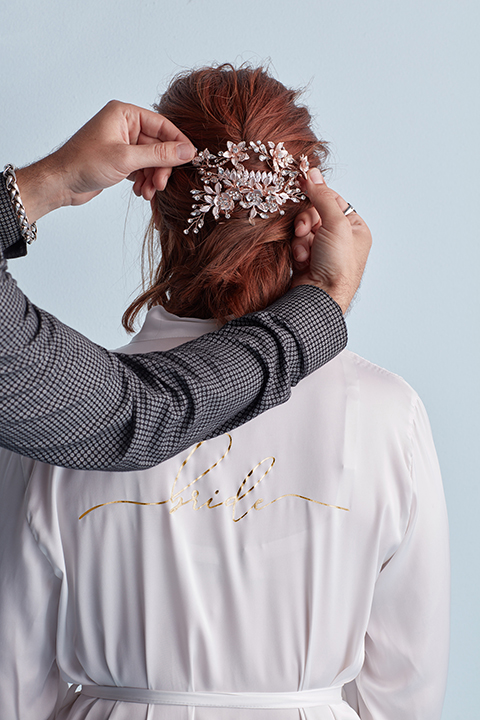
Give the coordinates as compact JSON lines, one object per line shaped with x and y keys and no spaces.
{"x":27,"y":231}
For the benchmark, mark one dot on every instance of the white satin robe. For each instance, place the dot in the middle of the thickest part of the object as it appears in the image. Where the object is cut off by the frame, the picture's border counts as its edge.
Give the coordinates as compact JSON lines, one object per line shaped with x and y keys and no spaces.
{"x":307,"y":549}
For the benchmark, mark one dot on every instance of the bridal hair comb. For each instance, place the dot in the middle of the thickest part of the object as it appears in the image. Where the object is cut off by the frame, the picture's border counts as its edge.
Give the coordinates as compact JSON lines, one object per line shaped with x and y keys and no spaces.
{"x":262,"y":193}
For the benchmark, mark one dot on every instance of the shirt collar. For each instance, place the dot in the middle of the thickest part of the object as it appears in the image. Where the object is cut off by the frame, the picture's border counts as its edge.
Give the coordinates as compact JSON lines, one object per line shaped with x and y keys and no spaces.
{"x":160,"y":324}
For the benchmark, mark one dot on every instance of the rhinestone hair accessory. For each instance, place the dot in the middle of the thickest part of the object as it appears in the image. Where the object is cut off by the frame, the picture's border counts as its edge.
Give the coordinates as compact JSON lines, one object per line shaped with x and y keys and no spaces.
{"x":262,"y":193}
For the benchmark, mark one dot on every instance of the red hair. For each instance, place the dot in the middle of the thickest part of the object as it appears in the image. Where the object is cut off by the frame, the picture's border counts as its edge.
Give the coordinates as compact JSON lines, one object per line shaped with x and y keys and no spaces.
{"x":230,"y":267}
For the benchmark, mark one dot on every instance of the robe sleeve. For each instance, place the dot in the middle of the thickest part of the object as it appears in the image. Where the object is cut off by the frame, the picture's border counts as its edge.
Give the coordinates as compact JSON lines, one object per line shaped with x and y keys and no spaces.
{"x":407,"y":640}
{"x":30,"y":683}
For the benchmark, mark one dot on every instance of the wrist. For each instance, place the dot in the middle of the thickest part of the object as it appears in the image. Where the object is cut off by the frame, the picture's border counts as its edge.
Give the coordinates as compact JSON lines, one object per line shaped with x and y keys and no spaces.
{"x":41,"y":188}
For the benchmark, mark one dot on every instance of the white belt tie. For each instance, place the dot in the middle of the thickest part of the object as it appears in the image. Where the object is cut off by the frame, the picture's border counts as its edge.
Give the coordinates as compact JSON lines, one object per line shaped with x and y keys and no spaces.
{"x":300,"y":699}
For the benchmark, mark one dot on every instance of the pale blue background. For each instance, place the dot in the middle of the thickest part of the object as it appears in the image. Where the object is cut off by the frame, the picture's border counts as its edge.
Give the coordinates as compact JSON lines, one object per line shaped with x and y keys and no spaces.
{"x":394,"y":87}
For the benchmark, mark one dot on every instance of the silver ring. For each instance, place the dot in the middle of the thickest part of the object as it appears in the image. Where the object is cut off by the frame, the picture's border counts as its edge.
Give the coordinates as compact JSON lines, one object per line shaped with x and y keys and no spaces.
{"x":349,"y":209}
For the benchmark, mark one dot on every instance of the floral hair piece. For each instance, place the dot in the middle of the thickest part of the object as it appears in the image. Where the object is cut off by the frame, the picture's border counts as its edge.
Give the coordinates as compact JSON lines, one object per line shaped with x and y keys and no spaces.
{"x":260,"y":192}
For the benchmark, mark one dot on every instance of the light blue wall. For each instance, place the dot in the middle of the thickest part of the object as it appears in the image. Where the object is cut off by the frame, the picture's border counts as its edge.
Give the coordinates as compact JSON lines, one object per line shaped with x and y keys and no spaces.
{"x":394,"y":87}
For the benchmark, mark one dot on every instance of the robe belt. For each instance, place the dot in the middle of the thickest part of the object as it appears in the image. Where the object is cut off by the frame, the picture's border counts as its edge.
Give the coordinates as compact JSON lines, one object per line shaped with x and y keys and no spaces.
{"x":300,"y":699}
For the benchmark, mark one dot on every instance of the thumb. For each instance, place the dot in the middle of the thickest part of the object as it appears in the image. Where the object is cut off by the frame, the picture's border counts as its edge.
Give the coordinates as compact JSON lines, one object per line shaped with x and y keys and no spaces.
{"x":159,"y":154}
{"x":323,"y":199}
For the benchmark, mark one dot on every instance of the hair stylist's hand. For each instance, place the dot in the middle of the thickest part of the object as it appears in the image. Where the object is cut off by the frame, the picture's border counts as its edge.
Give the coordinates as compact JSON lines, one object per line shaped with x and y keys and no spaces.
{"x":330,"y":249}
{"x":120,"y":141}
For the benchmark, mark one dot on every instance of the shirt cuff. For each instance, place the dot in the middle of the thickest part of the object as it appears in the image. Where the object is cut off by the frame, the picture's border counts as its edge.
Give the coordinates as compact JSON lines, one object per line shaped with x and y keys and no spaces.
{"x":12,"y":244}
{"x":317,"y":323}
{"x":318,"y":320}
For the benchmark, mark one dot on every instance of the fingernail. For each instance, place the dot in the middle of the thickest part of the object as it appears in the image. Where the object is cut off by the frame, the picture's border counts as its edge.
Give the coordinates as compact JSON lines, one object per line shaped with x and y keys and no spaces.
{"x":299,"y":253}
{"x":316,"y":176}
{"x":184,"y":151}
{"x":300,"y":228}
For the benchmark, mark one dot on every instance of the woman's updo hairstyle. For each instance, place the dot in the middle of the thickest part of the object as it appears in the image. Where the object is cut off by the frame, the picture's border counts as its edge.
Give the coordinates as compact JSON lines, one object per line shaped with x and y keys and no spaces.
{"x":230,"y":267}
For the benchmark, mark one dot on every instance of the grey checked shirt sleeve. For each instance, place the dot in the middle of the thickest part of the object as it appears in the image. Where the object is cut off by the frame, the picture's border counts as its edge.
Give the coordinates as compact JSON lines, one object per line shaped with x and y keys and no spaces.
{"x":66,"y":401}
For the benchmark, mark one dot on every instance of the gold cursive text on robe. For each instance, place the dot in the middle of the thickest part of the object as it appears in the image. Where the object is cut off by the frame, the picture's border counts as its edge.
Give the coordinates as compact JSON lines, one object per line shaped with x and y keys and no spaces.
{"x":177,"y":501}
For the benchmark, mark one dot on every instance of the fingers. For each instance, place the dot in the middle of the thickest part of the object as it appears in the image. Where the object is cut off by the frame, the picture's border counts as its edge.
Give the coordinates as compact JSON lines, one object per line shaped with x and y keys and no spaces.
{"x":164,"y":154}
{"x":154,"y":160}
{"x":121,"y":141}
{"x":301,"y":250}
{"x":142,"y":187}
{"x":306,"y":221}
{"x":323,"y":199}
{"x":147,"y":182}
{"x":325,"y":212}
{"x":138,"y":180}
{"x":146,"y":128}
{"x":150,"y":165}
{"x":152,"y":125}
{"x":330,"y":249}
{"x":160,"y":178}
{"x":154,"y":146}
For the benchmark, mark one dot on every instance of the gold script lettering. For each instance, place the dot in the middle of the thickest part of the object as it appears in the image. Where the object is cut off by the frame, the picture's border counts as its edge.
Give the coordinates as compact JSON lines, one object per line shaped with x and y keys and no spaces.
{"x":177,"y":500}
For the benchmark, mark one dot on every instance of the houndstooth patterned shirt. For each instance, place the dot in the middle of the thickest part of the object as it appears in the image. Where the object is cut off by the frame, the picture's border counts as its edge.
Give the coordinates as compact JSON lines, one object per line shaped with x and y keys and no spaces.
{"x":67,"y":401}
